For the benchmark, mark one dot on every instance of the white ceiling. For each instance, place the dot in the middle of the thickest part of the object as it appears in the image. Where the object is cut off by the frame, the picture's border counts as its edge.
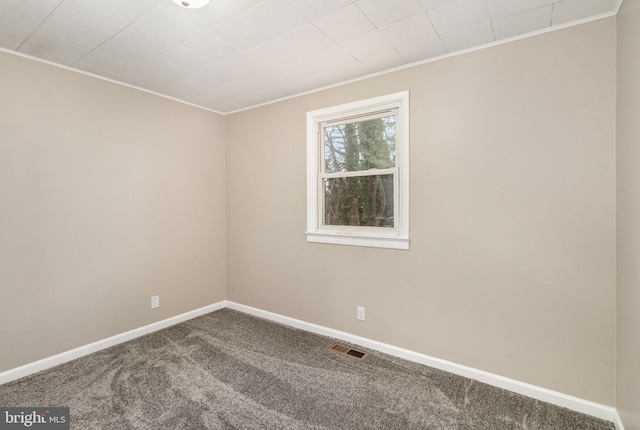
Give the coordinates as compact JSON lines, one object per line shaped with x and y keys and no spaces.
{"x":234,"y":54}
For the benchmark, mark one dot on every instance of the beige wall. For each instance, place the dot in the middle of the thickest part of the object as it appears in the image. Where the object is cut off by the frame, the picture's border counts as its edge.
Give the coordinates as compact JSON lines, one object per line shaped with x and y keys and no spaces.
{"x":512,"y":261}
{"x":107,"y":196}
{"x":628,"y":170}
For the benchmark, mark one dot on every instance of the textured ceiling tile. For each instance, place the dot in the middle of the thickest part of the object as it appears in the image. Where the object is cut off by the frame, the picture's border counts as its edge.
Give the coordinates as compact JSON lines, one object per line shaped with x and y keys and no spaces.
{"x":303,"y":40}
{"x":166,"y":26}
{"x":143,"y":78}
{"x":385,"y":12}
{"x":383,"y":61}
{"x":303,"y":84}
{"x":125,"y":10}
{"x":210,"y":47}
{"x":52,"y":50}
{"x":331,"y":56}
{"x":422,"y":50}
{"x":314,"y":9}
{"x":366,"y":44}
{"x":469,"y":37}
{"x":271,"y":52}
{"x":573,"y":10}
{"x":219,"y":92}
{"x":213,"y":14}
{"x":409,"y":30}
{"x":191,"y":83}
{"x":11,"y":36}
{"x":529,"y":21}
{"x":344,"y":24}
{"x":501,"y":8}
{"x":239,"y":33}
{"x":299,"y":67}
{"x":140,"y":42}
{"x":459,"y":15}
{"x":55,"y":31}
{"x":117,"y":52}
{"x":234,"y":67}
{"x":44,"y":6}
{"x":164,"y":69}
{"x":89,"y":18}
{"x":185,"y":58}
{"x":342,"y":73}
{"x":233,"y":7}
{"x":274,"y":17}
{"x":318,"y":61}
{"x":434,"y":4}
{"x":21,"y":15}
{"x":258,"y":81}
{"x":96,"y":61}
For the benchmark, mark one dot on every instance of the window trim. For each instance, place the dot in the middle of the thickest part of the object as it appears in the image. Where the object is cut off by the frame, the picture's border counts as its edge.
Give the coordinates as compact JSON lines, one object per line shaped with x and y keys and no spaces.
{"x":377,"y":237}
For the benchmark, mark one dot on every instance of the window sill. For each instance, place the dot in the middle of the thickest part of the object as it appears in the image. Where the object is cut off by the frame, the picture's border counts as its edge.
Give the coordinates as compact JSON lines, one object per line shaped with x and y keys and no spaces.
{"x":387,"y":242}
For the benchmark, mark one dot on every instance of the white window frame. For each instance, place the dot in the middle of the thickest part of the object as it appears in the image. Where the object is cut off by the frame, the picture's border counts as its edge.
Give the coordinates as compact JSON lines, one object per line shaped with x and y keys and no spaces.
{"x":377,"y":237}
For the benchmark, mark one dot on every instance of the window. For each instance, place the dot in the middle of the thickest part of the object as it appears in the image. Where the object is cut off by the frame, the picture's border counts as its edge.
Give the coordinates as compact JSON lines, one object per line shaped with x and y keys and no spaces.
{"x":358,"y":173}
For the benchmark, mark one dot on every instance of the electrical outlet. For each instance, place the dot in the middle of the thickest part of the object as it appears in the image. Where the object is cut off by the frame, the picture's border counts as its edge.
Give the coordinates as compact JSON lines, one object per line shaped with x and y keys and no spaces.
{"x":360,"y":312}
{"x":155,"y":302}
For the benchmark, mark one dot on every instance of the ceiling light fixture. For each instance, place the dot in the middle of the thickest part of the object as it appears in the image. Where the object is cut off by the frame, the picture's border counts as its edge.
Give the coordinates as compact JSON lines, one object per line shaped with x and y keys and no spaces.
{"x":192,"y":4}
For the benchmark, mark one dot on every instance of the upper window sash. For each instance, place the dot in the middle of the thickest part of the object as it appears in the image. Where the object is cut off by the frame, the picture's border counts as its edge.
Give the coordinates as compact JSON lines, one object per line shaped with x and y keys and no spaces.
{"x":322,"y":138}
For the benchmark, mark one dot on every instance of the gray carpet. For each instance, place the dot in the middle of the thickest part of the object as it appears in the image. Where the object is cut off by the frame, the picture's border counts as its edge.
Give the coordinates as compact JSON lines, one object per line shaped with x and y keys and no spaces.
{"x":227,"y":370}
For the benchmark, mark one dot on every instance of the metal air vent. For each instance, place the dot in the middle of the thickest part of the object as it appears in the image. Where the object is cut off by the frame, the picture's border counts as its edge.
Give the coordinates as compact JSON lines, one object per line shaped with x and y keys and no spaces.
{"x":345,"y":350}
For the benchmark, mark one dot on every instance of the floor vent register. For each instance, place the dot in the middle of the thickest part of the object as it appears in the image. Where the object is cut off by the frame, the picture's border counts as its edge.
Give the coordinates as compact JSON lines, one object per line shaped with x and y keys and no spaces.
{"x":345,"y":350}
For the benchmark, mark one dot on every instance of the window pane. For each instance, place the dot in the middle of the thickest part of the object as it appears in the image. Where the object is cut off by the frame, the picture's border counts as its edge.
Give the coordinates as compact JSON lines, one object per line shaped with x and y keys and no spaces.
{"x":364,"y":145}
{"x":362,"y":201}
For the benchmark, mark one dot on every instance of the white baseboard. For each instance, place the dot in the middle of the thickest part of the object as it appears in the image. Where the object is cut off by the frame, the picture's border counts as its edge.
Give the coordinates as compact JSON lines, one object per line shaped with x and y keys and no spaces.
{"x":574,"y":403}
{"x":618,"y":421}
{"x":63,"y":357}
{"x":570,"y":402}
